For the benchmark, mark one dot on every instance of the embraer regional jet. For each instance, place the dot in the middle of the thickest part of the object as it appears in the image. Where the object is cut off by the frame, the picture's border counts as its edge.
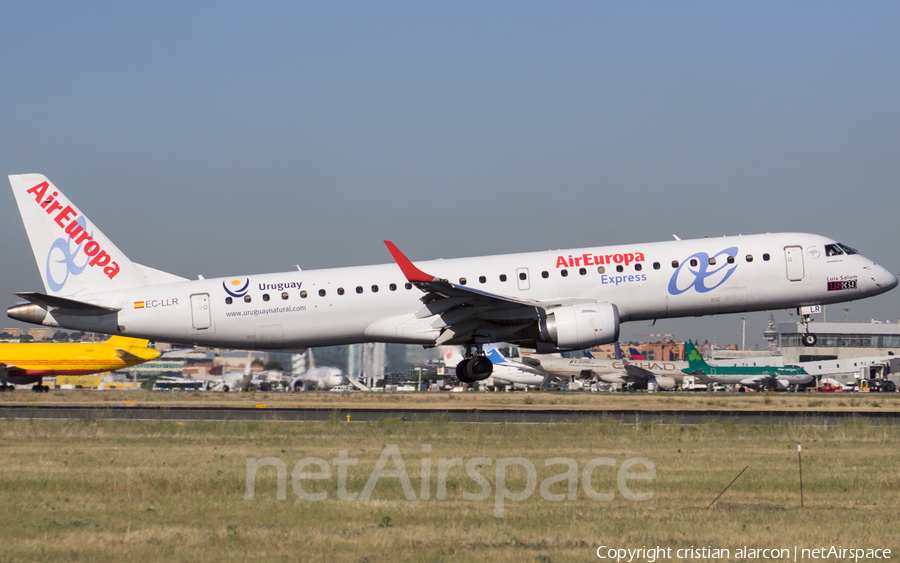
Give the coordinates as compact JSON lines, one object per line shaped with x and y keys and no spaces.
{"x":551,"y":301}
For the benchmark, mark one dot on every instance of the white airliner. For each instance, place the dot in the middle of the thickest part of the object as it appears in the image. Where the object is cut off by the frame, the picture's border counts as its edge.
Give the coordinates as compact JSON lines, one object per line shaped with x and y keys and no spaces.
{"x":322,"y":378}
{"x":552,"y":300}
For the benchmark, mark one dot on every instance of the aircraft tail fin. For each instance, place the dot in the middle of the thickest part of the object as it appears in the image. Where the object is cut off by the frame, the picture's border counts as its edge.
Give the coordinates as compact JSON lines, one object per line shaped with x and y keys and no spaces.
{"x":694,"y":358}
{"x":635,"y":355}
{"x":73,"y":256}
{"x":451,"y":356}
{"x":495,"y":356}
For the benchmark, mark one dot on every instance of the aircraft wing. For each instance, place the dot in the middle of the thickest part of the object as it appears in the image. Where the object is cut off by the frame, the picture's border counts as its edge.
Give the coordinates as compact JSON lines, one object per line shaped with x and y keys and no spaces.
{"x":465,"y":313}
{"x":636,"y":372}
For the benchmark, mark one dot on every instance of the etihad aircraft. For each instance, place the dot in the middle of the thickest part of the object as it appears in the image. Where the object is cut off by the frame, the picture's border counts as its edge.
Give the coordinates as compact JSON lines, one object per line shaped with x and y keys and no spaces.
{"x":551,"y":300}
{"x":638,"y":374}
{"x":29,"y":362}
{"x":776,"y":377}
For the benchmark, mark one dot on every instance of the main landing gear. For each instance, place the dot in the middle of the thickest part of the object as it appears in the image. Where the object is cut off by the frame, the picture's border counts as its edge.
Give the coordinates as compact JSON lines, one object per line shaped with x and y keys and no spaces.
{"x":38,"y":388}
{"x":475,"y":367}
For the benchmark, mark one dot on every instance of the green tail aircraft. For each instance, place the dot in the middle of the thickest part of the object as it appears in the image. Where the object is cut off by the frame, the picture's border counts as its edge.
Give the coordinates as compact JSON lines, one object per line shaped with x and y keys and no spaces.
{"x":751,"y":376}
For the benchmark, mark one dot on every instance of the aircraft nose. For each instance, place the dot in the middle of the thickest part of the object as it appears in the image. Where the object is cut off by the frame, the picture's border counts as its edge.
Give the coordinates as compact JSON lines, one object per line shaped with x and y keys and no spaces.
{"x":888,"y":280}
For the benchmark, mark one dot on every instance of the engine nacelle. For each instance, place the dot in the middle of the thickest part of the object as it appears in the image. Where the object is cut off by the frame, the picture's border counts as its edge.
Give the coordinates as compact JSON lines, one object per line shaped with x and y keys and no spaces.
{"x":664,"y":382}
{"x":580,"y":326}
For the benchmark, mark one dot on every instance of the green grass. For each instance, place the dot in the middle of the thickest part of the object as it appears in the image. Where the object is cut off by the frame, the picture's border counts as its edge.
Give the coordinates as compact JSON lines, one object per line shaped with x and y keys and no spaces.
{"x":167,"y":491}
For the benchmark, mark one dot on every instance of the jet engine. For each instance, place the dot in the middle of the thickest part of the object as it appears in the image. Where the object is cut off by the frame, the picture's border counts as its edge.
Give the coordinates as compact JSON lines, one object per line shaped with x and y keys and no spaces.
{"x":580,"y":326}
{"x":664,"y":382}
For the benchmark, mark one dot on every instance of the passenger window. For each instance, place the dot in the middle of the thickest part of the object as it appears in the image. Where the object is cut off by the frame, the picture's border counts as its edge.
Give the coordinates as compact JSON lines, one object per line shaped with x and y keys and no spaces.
{"x":749,"y":258}
{"x":228,"y":300}
{"x":582,"y":271}
{"x":482,"y":279}
{"x":693,"y":262}
{"x":284,"y":295}
{"x":564,"y":273}
{"x":321,"y":293}
{"x":674,"y":263}
{"x":247,"y":299}
{"x":393,"y":287}
{"x":545,"y":274}
{"x":303,"y":294}
{"x":407,"y":285}
{"x":620,"y":268}
{"x":523,"y":276}
{"x":359,"y":289}
{"x":731,"y":259}
{"x":265,"y":296}
{"x":656,"y":265}
{"x":462,"y":281}
{"x":712,"y":261}
{"x":340,"y":291}
{"x":503,"y":277}
{"x":374,"y":289}
{"x":601,"y":270}
{"x":638,"y":267}
{"x":766,"y":257}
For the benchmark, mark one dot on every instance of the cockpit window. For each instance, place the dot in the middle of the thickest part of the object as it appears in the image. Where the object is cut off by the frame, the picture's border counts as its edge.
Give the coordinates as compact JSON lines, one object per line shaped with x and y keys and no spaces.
{"x":847,"y":249}
{"x":833,"y":250}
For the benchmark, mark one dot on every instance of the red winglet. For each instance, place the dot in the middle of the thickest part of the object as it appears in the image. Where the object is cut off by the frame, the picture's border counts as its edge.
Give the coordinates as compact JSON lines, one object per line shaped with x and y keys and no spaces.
{"x":412,"y":273}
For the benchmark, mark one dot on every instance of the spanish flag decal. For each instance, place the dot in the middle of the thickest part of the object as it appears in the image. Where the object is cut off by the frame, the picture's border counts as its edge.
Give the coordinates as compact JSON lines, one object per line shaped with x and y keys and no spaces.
{"x":138,"y":304}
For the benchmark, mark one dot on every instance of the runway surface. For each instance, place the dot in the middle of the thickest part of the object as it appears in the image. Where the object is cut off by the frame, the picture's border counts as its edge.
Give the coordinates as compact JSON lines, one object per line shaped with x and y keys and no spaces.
{"x":493,"y":415}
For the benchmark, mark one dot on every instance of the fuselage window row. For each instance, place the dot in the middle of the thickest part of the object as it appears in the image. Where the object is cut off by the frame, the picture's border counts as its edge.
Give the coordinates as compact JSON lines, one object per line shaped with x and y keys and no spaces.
{"x":522,"y":276}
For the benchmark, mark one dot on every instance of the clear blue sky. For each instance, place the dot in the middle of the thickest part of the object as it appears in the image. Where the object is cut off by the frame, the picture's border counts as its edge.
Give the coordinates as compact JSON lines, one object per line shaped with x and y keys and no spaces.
{"x":222,"y":138}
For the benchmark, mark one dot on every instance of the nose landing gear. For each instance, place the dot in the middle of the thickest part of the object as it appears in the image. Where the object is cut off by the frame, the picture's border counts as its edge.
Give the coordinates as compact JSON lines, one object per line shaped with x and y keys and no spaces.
{"x":806,"y":313}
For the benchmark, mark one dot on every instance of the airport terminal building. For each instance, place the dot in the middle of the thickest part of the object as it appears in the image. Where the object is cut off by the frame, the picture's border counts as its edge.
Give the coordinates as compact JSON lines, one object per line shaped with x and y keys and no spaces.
{"x":839,"y":340}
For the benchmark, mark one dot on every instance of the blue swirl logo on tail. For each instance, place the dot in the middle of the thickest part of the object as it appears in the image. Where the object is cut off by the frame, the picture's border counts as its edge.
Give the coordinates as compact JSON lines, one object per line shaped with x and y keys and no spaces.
{"x":65,"y":255}
{"x":702,"y":271}
{"x":236,"y":289}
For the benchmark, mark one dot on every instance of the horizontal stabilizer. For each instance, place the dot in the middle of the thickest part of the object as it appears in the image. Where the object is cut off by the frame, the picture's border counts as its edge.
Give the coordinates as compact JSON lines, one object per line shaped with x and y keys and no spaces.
{"x":69,"y":306}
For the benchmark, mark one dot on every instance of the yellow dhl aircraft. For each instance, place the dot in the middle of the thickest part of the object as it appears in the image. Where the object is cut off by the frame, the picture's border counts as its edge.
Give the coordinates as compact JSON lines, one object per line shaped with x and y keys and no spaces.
{"x":30,"y":362}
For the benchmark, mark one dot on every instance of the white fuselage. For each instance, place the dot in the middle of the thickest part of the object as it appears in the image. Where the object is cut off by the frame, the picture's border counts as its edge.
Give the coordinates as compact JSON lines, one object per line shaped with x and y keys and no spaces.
{"x":303,"y":309}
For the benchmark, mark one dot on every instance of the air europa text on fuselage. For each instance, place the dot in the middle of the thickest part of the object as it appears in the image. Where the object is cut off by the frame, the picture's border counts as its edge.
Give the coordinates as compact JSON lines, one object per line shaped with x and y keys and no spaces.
{"x":598,"y":260}
{"x":92,"y":248}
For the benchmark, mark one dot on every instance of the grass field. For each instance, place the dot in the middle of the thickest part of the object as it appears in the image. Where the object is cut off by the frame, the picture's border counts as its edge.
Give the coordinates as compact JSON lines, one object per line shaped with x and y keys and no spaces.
{"x":92,"y":490}
{"x":725,"y":402}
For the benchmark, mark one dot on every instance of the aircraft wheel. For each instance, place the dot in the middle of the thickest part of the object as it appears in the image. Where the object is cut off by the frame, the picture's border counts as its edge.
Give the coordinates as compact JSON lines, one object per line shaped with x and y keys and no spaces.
{"x":461,"y":371}
{"x":479,"y":368}
{"x":2,"y":388}
{"x":809,"y":339}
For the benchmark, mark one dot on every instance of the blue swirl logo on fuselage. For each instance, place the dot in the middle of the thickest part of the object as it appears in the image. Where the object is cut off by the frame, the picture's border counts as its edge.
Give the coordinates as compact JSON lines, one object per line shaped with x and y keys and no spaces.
{"x":65,"y":255}
{"x":702,"y":271}
{"x":239,"y":289}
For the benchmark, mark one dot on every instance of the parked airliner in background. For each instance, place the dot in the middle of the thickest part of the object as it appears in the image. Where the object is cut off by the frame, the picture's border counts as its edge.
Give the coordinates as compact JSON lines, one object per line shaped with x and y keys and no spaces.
{"x":552,"y":300}
{"x":322,"y":378}
{"x":769,"y":377}
{"x":29,"y":362}
{"x":638,"y":374}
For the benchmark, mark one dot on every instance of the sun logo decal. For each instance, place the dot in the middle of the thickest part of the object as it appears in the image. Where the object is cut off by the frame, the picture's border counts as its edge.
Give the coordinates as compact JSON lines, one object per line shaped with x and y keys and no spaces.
{"x":237,"y":288}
